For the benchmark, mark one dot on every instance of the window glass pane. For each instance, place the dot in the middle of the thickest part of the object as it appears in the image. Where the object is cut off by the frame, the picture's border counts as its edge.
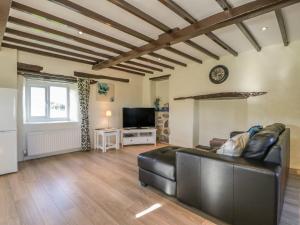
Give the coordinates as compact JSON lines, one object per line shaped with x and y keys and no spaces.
{"x":74,"y":105}
{"x":37,"y":101}
{"x":58,"y":102}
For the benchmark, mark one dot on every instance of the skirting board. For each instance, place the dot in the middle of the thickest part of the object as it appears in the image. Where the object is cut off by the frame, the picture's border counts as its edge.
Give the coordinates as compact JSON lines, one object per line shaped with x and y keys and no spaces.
{"x":51,"y":154}
{"x":295,"y":171}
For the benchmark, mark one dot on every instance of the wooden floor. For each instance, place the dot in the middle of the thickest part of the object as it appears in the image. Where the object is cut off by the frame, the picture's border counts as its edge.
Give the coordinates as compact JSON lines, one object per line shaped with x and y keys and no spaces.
{"x":86,"y":188}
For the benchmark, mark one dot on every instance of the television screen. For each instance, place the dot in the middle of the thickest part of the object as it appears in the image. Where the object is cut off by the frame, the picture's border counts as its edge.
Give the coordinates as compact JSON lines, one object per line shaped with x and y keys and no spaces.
{"x":138,"y":117}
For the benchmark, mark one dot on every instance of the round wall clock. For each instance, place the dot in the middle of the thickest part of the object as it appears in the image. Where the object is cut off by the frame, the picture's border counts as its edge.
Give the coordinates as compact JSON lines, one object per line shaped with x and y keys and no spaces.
{"x":218,"y":74}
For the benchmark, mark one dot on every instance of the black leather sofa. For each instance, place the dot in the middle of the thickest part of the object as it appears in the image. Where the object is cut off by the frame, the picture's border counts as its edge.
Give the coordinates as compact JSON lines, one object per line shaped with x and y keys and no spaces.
{"x":247,"y":190}
{"x":157,"y":168}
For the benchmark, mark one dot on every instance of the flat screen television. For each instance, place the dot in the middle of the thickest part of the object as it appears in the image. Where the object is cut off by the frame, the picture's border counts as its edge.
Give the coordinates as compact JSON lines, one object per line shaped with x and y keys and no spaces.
{"x":138,"y":117}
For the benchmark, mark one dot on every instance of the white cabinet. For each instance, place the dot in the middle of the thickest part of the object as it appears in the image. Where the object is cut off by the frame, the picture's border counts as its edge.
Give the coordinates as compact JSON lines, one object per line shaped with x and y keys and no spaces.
{"x":8,"y":110}
{"x":8,"y":152}
{"x":138,"y":136}
{"x":8,"y":131}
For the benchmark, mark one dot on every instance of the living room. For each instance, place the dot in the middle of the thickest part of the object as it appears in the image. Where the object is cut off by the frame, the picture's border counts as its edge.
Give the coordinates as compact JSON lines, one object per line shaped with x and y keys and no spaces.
{"x":149,"y":112}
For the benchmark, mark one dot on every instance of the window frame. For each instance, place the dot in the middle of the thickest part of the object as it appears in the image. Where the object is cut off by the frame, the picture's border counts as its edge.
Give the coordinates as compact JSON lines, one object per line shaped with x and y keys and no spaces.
{"x":45,"y":84}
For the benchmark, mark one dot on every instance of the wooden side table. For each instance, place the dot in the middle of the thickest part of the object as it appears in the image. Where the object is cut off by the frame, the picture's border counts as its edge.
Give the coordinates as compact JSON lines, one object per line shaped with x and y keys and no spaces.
{"x":103,"y":139}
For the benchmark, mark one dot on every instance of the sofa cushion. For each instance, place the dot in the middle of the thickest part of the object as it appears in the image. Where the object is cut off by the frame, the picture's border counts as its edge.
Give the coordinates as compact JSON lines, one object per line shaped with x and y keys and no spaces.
{"x":277,"y":128}
{"x":160,"y":161}
{"x":261,"y":142}
{"x":234,"y":146}
{"x":254,"y":130}
{"x":216,"y":143}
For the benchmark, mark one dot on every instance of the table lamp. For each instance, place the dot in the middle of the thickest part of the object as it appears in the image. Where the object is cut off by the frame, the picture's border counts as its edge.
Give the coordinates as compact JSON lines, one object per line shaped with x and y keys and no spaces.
{"x":108,"y":114}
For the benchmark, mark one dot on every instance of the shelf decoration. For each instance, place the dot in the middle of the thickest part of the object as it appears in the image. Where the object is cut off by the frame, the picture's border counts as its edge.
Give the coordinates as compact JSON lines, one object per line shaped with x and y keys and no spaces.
{"x":224,"y":96}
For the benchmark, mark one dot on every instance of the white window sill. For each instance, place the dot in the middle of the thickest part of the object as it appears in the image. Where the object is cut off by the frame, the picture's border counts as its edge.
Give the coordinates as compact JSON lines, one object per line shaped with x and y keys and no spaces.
{"x":51,"y":122}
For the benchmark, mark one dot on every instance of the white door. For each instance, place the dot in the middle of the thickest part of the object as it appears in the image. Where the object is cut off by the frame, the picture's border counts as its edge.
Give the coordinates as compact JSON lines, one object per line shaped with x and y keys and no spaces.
{"x":8,"y":104}
{"x":8,"y":152}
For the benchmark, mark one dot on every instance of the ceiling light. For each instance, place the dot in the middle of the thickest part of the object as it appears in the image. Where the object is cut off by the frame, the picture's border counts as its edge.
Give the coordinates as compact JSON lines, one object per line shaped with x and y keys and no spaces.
{"x":80,"y":32}
{"x":265,"y":28}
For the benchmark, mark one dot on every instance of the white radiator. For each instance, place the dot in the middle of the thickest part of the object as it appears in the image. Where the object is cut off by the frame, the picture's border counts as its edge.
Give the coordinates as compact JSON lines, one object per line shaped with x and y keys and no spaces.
{"x":45,"y":142}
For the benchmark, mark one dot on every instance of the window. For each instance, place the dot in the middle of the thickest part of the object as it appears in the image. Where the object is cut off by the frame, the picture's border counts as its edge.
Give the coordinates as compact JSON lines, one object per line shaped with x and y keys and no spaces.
{"x":37,"y":98}
{"x":50,"y":101}
{"x":58,"y":102}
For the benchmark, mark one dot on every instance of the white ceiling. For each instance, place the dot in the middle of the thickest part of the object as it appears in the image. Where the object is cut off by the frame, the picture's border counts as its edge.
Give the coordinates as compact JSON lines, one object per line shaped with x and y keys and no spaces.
{"x":198,"y":9}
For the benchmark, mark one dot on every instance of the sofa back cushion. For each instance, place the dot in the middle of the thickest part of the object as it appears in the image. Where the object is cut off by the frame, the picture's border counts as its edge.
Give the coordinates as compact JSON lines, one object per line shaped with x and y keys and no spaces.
{"x":259,"y":145}
{"x":278,"y":153}
{"x":234,"y":146}
{"x":277,"y":128}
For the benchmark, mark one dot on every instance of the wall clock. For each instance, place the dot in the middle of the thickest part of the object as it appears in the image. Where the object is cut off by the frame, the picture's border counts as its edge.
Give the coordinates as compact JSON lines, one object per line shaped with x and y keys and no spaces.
{"x":218,"y":74}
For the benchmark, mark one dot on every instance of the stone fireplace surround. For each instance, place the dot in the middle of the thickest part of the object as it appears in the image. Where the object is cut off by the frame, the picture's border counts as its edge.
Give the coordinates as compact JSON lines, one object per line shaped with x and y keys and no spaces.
{"x":162,"y":126}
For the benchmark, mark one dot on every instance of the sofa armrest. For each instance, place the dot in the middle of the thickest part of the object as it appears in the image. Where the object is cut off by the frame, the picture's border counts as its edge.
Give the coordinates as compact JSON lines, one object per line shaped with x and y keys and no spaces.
{"x":235,"y":190}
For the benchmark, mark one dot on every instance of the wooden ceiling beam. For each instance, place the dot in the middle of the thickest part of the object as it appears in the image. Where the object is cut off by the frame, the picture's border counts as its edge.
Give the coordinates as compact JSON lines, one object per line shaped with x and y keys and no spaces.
{"x":282,"y":26}
{"x":201,"y":49}
{"x":91,"y":14}
{"x":99,"y":77}
{"x":29,"y":67}
{"x":49,"y":54}
{"x":221,"y":43}
{"x":184,"y":55}
{"x":154,"y":22}
{"x":4,"y":13}
{"x":158,"y":56}
{"x":144,"y":65}
{"x":243,"y":28}
{"x":48,"y":48}
{"x":35,"y":51}
{"x":126,"y":70}
{"x":28,"y":9}
{"x":140,"y":14}
{"x":134,"y":68}
{"x":154,"y":62}
{"x":216,"y":21}
{"x":56,"y":50}
{"x":168,"y":59}
{"x":173,"y":6}
{"x":62,"y":34}
{"x":160,"y":78}
{"x":55,"y":42}
{"x":68,"y":36}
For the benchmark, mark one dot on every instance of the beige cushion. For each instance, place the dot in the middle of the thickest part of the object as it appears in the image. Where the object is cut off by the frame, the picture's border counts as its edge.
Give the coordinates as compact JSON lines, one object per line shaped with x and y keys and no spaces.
{"x":234,"y":146}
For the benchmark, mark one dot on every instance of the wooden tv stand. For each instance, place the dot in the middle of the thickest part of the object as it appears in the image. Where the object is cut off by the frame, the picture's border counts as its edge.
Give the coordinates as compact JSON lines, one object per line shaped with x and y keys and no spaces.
{"x":138,"y":136}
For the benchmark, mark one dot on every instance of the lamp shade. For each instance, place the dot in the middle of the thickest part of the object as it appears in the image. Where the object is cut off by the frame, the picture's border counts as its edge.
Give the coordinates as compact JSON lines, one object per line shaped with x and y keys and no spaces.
{"x":108,"y":113}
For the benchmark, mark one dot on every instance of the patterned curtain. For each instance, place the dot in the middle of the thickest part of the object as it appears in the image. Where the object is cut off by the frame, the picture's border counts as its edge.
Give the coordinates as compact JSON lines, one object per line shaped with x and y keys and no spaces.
{"x":84,"y":94}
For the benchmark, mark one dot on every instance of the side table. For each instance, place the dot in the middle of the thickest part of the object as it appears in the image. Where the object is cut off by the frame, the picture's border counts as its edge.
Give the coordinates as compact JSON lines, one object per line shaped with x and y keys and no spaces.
{"x":105,"y":139}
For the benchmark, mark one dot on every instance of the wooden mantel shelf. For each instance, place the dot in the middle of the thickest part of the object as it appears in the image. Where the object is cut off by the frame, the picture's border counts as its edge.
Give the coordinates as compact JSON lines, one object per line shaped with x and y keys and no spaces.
{"x":223,"y":96}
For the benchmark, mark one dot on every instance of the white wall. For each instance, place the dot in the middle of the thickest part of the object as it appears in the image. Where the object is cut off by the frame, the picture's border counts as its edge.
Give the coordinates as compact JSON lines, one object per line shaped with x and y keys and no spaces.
{"x":8,"y":68}
{"x":154,"y":89}
{"x":276,"y":69}
{"x":162,"y":91}
{"x":126,"y":94}
{"x":228,"y":115}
